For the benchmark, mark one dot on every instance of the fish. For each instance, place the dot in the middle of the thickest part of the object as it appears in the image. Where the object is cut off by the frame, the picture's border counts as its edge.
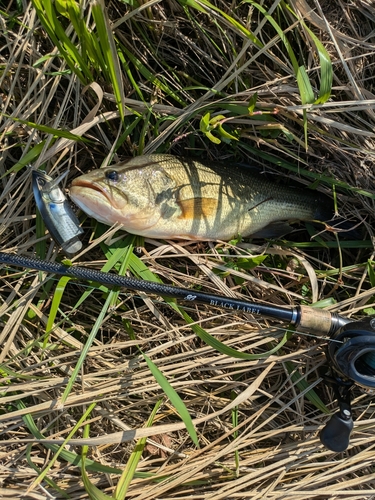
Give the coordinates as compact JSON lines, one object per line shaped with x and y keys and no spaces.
{"x":165,"y":196}
{"x":56,"y":212}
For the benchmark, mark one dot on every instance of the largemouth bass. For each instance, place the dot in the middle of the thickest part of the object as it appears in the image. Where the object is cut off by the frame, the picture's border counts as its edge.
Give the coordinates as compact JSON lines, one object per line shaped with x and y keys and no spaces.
{"x":164,"y":196}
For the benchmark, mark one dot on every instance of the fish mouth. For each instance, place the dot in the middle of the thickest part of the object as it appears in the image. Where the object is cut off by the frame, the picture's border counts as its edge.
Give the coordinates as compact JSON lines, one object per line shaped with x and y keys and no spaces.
{"x":101,"y":204}
{"x":88,"y":184}
{"x":93,"y":193}
{"x":81,"y":187}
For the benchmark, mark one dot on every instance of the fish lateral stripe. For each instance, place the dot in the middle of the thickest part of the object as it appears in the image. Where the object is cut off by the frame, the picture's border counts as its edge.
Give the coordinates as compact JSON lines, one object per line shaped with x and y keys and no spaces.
{"x":196,"y":208}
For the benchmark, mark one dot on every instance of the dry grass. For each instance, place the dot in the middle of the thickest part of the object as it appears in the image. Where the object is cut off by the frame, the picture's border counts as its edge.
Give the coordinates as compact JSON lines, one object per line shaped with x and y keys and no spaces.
{"x":258,"y":430}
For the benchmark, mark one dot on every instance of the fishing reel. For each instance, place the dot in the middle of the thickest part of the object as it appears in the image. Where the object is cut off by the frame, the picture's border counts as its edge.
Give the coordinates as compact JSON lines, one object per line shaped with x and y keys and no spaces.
{"x":351,"y":356}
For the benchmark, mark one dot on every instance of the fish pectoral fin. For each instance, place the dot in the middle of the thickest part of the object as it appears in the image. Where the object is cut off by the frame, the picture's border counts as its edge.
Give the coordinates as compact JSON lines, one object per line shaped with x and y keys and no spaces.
{"x":273,"y":230}
{"x":197,"y":208}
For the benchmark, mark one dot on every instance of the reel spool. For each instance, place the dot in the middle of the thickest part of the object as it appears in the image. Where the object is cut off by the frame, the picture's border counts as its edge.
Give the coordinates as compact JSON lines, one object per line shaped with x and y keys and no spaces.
{"x":351,"y":354}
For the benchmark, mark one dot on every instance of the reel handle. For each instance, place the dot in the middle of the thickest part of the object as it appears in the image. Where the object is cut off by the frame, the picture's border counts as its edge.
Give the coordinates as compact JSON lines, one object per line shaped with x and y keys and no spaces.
{"x":336,"y":434}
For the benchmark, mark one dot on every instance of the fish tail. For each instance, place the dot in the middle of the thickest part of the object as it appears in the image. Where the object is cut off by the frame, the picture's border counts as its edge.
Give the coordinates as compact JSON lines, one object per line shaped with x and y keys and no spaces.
{"x":348,"y":229}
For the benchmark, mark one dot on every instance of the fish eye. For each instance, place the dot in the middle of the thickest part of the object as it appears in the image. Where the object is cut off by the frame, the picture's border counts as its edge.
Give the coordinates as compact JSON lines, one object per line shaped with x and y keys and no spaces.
{"x":112,"y":175}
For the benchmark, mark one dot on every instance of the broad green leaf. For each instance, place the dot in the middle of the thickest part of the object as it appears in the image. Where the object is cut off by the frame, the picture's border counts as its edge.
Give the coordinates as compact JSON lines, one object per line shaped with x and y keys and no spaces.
{"x":207,"y":124}
{"x":204,"y":123}
{"x":251,"y":262}
{"x":321,"y":304}
{"x":304,"y":85}
{"x":215,"y":119}
{"x":226,"y":135}
{"x":212,"y":138}
{"x":326,"y":70}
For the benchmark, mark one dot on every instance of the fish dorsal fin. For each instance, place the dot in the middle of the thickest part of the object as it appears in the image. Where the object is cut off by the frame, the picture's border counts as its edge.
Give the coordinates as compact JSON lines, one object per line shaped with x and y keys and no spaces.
{"x":143,"y":161}
{"x":198,"y":208}
{"x":138,"y":162}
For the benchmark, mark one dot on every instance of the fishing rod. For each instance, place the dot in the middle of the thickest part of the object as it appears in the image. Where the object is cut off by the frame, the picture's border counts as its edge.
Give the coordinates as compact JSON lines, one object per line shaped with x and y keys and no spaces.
{"x":351,"y":352}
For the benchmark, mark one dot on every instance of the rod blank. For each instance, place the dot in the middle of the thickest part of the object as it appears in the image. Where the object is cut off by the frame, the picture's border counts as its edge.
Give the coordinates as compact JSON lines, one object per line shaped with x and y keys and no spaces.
{"x":304,"y":317}
{"x":290,"y":315}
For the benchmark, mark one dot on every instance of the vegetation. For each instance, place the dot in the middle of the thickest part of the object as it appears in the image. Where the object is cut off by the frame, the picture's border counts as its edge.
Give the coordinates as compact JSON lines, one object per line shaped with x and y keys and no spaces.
{"x":112,"y":394}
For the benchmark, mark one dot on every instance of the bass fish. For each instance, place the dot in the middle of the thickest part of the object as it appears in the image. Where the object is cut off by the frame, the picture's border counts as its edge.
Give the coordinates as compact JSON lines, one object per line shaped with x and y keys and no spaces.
{"x":164,"y":196}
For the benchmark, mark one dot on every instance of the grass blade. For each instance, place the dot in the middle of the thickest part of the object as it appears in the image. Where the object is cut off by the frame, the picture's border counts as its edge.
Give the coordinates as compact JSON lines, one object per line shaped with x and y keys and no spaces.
{"x":131,"y":466}
{"x":49,"y":130}
{"x":109,"y":51}
{"x":57,"y":297}
{"x":45,"y":471}
{"x":303,"y":386}
{"x":174,"y":398}
{"x":142,"y":271}
{"x":48,"y":17}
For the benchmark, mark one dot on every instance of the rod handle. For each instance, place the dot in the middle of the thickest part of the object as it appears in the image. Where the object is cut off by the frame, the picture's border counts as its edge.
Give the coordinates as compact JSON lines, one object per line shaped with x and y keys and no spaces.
{"x":314,"y":320}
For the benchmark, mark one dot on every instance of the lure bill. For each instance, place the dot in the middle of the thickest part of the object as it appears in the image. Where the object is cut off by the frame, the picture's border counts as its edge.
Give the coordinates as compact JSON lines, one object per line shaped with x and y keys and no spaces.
{"x":57,"y":214}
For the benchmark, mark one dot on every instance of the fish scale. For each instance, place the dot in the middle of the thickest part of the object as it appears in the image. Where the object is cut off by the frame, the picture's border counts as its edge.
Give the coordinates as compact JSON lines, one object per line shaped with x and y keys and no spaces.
{"x":165,"y":196}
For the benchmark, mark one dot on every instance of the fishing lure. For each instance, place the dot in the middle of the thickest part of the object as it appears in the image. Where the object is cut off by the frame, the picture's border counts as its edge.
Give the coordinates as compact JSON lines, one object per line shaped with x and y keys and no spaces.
{"x":56,"y":212}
